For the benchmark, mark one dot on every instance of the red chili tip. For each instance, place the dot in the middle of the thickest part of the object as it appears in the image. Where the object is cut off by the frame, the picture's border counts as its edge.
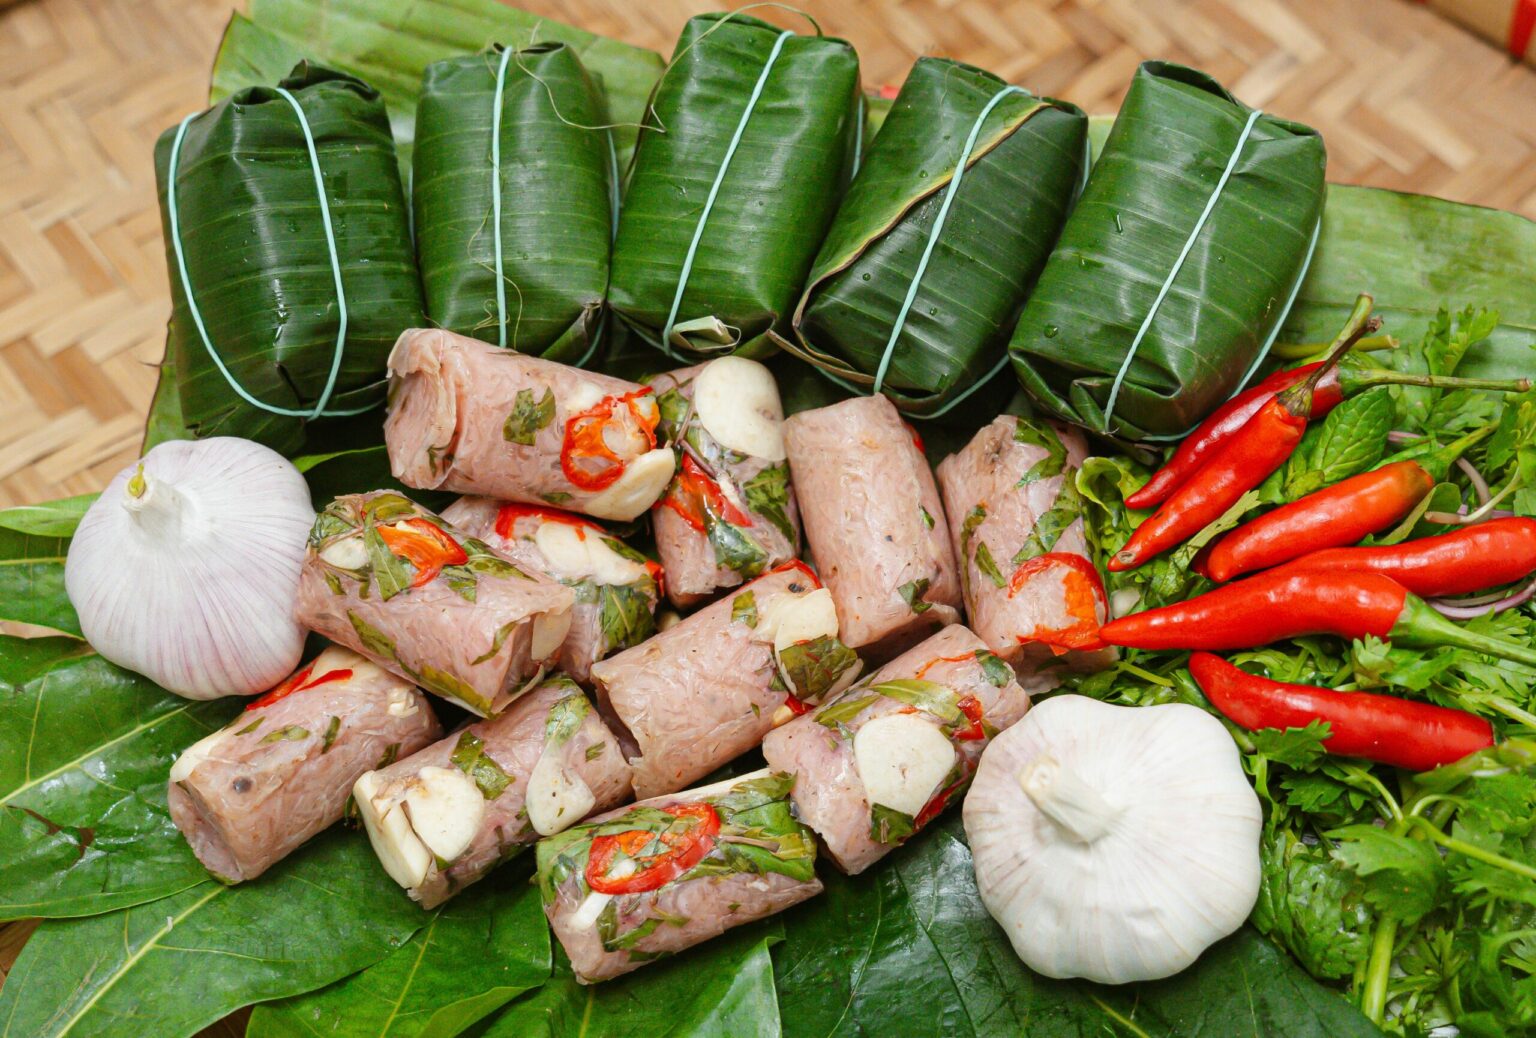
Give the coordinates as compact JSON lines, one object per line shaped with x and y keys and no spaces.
{"x":1121,"y":561}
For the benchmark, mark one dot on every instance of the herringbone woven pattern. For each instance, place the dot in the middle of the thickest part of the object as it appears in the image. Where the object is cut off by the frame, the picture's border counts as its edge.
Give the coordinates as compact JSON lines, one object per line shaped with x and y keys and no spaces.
{"x":1404,"y":99}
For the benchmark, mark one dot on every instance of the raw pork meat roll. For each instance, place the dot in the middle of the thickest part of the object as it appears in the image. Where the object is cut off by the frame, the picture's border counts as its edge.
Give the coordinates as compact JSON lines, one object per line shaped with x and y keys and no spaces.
{"x":473,"y":418}
{"x":441,"y":819}
{"x":253,"y":791}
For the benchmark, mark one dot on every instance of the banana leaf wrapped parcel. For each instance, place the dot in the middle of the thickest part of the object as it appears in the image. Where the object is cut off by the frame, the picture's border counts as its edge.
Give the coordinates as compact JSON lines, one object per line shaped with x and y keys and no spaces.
{"x":940,"y":236}
{"x":290,"y":256}
{"x":747,"y":146}
{"x":1179,"y":263}
{"x":512,"y":186}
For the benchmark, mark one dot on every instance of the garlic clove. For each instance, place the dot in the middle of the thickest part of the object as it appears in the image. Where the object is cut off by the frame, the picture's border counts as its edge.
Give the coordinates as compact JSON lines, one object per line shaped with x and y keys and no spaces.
{"x":396,"y":844}
{"x":787,"y":618}
{"x":901,"y":759}
{"x":195,"y":754}
{"x":576,"y":553}
{"x":549,"y":630}
{"x":585,"y":916}
{"x":557,"y":797}
{"x":445,"y":808}
{"x":737,"y":402}
{"x":348,"y":553}
{"x":643,"y":481}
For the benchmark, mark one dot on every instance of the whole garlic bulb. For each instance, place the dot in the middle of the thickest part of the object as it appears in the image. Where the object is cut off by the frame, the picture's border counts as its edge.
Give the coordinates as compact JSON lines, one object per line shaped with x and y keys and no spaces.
{"x":1114,"y":843}
{"x":186,"y":568}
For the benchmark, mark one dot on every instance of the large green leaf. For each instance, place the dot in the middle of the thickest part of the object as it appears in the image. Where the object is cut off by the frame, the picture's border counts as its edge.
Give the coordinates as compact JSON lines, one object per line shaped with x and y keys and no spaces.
{"x":1155,"y":179}
{"x":557,"y":177}
{"x":32,"y":581}
{"x":172,"y":966}
{"x":1416,"y":254}
{"x":908,"y":949}
{"x":1019,"y":183}
{"x":259,"y":261}
{"x":772,"y":197}
{"x":390,"y":45}
{"x":724,"y":990}
{"x":85,"y":748}
{"x":485,"y":947}
{"x":49,"y":519}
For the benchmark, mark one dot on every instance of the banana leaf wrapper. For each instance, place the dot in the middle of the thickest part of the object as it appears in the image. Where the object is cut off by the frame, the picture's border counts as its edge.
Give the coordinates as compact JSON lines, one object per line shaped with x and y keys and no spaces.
{"x":253,"y":236}
{"x":557,"y":177}
{"x":774,"y":199}
{"x":1019,"y":183}
{"x":1164,"y":159}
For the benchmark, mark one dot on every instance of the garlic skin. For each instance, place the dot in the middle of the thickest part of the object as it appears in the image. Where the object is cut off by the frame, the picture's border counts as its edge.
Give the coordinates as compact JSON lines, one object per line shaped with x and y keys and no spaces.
{"x":1114,"y":843}
{"x":186,"y":568}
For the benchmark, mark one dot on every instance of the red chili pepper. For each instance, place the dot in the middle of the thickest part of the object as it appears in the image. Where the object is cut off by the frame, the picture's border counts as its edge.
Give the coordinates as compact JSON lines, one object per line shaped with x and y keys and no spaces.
{"x":298,"y":683}
{"x":940,"y":801}
{"x":797,"y":706}
{"x":923,"y":670}
{"x":1202,"y":444}
{"x":917,"y":439}
{"x":508,"y":515}
{"x":659,"y":575}
{"x":1467,"y":559}
{"x":799,"y":567}
{"x":585,"y":441}
{"x":1284,"y":603}
{"x":970,"y":706}
{"x":1241,"y":463}
{"x":424,"y":545}
{"x":1330,"y":518}
{"x":697,"y":498}
{"x":1084,"y":592}
{"x":1417,"y":736}
{"x":684,"y":847}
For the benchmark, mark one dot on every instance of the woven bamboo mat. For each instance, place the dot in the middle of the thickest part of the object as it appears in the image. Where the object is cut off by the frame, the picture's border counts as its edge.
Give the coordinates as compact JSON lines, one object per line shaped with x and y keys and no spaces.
{"x":1404,"y":99}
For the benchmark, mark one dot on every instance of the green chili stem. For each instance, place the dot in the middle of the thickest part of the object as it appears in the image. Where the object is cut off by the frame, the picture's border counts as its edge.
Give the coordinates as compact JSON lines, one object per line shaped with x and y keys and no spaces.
{"x":1418,"y":626}
{"x":1470,"y":850}
{"x":1378,"y":970}
{"x":1310,"y":351}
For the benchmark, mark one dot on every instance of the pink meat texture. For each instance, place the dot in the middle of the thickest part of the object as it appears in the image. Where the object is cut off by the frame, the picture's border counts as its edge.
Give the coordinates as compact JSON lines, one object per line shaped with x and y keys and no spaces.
{"x":513,"y":742}
{"x":280,"y":773}
{"x":876,"y":528}
{"x":818,"y":747}
{"x":477,"y":419}
{"x":475,"y":632}
{"x":1009,"y":498}
{"x":704,"y":691}
{"x":703,"y":902}
{"x":694,"y":569}
{"x":607,"y":616}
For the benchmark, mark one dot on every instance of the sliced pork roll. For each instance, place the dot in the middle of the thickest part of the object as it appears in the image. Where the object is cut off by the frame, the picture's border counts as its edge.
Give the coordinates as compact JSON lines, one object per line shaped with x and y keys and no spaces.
{"x":616,"y":587}
{"x":253,"y":791}
{"x":872,"y":516}
{"x":470,"y":417}
{"x":403,"y":587}
{"x":729,"y":513}
{"x":707,"y":689}
{"x":667,"y":873}
{"x":877,"y":763}
{"x":1032,"y":591}
{"x":442,"y":818}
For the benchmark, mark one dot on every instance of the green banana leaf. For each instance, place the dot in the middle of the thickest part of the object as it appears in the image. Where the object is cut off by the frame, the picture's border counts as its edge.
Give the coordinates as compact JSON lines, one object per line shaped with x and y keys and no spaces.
{"x":254,"y":237}
{"x":1020,"y":180}
{"x":1175,"y":137}
{"x":557,"y":178}
{"x":745,"y":223}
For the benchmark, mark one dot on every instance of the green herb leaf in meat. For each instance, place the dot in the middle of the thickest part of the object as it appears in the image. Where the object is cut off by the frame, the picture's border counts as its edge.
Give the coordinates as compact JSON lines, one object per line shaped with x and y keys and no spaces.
{"x":912,"y":593}
{"x":768,"y":496}
{"x":813,"y":667}
{"x":469,"y":756}
{"x":625,"y":616}
{"x":744,"y":609}
{"x":527,"y":417}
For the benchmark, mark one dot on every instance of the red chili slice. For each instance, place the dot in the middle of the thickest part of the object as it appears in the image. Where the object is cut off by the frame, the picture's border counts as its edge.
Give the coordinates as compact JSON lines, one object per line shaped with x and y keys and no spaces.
{"x":796,"y":705}
{"x":584,"y":440}
{"x":940,"y":801}
{"x":298,"y":683}
{"x":508,"y":515}
{"x":970,"y":706}
{"x":658,"y":574}
{"x":943,"y":659}
{"x":799,"y":567}
{"x":684,"y":848}
{"x":697,"y":498}
{"x":1084,"y":590}
{"x":425,"y":546}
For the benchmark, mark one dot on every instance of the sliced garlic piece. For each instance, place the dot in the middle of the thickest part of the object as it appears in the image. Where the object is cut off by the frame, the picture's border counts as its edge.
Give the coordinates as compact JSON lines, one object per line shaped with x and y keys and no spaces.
{"x":347,"y":553}
{"x":788,"y":618}
{"x":737,"y":402}
{"x":583,"y":397}
{"x":195,"y":754}
{"x":445,"y":808}
{"x":401,"y":703}
{"x":557,"y":797}
{"x":399,"y":849}
{"x":585,"y":916}
{"x":901,"y":760}
{"x":637,"y":489}
{"x":576,"y":553}
{"x":549,"y":631}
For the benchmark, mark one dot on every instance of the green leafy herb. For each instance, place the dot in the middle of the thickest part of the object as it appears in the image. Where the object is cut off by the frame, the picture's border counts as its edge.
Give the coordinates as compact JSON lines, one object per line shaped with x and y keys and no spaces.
{"x":391,"y":573}
{"x":625,"y":615}
{"x":291,"y":733}
{"x":248,"y":729}
{"x":502,"y":634}
{"x":469,"y":756}
{"x":556,"y":497}
{"x":374,"y":640}
{"x":331,"y":731}
{"x":1350,"y":440}
{"x":1051,"y":524}
{"x":988,"y":565}
{"x":1038,"y":434}
{"x":450,"y":685}
{"x":929,"y":696}
{"x":596,"y":750}
{"x":744,"y":609}
{"x":527,"y":417}
{"x":844,"y":709}
{"x":996,"y":671}
{"x":912,"y":593}
{"x":768,"y":496}
{"x":565,"y":718}
{"x":735,"y":549}
{"x":815,"y":666}
{"x":888,"y":825}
